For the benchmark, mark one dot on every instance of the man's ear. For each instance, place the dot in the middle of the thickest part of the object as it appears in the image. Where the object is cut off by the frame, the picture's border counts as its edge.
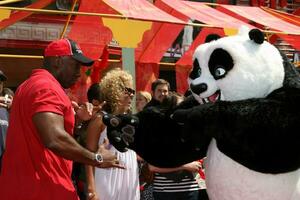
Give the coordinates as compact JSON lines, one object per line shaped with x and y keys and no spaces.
{"x":58,"y":62}
{"x":52,"y":62}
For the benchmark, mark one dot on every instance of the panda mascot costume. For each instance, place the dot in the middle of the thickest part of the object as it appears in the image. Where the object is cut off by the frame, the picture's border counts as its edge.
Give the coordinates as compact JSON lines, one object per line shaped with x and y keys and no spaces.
{"x":247,"y":124}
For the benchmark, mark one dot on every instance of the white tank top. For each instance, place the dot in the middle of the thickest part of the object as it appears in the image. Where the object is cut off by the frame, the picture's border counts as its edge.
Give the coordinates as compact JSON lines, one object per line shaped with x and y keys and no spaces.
{"x":118,"y":184}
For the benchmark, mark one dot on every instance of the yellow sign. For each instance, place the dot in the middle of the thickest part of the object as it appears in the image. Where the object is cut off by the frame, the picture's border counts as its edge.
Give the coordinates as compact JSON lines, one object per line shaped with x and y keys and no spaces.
{"x":127,"y":32}
{"x":230,"y":31}
{"x":4,"y":14}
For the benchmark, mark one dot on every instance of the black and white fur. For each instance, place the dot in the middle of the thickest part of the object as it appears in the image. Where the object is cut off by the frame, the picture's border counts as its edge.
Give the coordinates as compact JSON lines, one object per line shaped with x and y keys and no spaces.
{"x":247,"y":125}
{"x":250,"y":95}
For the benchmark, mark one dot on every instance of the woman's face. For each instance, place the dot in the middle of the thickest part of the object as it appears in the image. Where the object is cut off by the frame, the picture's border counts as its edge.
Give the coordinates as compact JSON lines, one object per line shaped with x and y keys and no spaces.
{"x":126,"y":99}
{"x":141,"y":101}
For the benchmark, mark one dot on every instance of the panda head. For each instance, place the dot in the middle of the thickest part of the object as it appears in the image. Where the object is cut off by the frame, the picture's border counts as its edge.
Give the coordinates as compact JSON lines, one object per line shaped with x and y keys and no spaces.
{"x":235,"y":68}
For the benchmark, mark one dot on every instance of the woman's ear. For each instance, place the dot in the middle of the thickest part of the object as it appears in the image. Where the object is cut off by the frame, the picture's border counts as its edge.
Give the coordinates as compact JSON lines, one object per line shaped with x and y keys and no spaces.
{"x":95,"y":102}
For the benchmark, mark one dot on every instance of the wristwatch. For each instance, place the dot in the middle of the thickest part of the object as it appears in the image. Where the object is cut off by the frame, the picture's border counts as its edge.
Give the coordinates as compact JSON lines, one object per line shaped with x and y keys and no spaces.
{"x":98,"y":158}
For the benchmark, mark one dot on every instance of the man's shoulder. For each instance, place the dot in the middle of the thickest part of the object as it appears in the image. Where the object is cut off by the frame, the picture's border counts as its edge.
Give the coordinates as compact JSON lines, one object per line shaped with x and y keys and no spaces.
{"x":38,"y":83}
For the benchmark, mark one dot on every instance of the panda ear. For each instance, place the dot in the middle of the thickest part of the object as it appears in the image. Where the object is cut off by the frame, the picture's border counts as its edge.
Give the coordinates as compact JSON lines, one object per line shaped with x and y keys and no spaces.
{"x":257,"y":36}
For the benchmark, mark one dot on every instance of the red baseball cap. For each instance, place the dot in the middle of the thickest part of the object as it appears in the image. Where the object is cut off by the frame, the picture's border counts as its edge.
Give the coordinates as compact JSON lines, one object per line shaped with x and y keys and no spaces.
{"x":67,"y":47}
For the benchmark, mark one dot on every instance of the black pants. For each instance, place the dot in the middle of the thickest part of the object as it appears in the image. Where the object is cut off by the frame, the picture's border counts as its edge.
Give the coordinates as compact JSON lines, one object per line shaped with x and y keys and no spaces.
{"x":191,"y":195}
{"x":203,"y":195}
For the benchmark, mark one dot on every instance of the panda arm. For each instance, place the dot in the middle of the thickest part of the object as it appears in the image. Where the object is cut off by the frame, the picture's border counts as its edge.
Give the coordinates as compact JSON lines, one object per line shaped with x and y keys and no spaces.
{"x":158,"y":141}
{"x":259,"y":133}
{"x":189,"y":102}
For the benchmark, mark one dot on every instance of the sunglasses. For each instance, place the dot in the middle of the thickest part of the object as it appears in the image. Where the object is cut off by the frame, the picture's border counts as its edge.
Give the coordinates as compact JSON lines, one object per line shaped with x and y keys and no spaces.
{"x":129,"y":91}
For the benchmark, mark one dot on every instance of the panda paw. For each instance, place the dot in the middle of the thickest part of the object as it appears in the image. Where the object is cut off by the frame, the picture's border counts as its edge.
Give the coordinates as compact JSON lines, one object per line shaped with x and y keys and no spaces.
{"x":180,"y":116}
{"x":120,"y":130}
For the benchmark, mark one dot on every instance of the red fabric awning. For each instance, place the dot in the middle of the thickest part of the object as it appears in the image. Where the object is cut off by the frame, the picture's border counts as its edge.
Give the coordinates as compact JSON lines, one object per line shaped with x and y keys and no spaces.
{"x":155,"y":42}
{"x":153,"y":46}
{"x":208,"y":15}
{"x":89,"y":31}
{"x":161,"y":36}
{"x":141,"y":9}
{"x":259,"y":16}
{"x":293,"y":19}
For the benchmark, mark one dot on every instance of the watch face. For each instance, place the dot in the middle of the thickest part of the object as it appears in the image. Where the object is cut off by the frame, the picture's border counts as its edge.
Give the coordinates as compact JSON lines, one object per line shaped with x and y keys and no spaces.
{"x":98,"y":157}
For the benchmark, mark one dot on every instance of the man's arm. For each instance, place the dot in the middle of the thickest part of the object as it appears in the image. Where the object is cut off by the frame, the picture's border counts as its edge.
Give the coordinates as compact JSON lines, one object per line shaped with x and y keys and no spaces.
{"x":50,"y":127}
{"x":192,"y":167}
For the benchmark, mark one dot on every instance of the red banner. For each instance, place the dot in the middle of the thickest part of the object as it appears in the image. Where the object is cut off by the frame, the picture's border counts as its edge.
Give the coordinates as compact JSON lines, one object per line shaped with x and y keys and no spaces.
{"x":98,"y":66}
{"x":146,"y":73}
{"x":89,"y":31}
{"x":92,"y":36}
{"x":153,"y":47}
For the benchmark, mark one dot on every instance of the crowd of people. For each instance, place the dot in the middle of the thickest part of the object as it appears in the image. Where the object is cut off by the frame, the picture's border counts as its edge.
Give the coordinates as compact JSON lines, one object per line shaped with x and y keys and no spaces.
{"x":57,"y":149}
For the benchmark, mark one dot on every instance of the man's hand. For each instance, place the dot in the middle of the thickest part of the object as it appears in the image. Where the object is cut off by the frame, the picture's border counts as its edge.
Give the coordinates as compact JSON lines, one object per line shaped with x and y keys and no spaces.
{"x":86,"y":111}
{"x":92,"y":196}
{"x":109,"y":159}
{"x":192,"y":166}
{"x":83,"y":112}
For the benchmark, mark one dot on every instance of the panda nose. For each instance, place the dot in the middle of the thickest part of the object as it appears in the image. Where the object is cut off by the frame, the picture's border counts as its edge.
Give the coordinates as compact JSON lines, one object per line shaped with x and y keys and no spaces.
{"x":199,"y":88}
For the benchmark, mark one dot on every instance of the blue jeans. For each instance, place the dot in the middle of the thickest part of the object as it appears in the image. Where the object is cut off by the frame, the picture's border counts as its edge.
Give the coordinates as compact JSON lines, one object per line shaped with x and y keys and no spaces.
{"x":190,"y":195}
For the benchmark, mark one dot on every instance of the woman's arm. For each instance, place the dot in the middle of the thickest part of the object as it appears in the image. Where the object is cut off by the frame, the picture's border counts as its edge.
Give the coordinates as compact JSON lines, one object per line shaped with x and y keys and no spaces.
{"x":94,"y":129}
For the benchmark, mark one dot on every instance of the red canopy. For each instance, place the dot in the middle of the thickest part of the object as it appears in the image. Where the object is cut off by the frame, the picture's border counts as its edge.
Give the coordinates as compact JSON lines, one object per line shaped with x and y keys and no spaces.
{"x":161,"y":36}
{"x":208,"y":15}
{"x":293,"y":19}
{"x":259,"y":16}
{"x":154,"y":45}
{"x":141,"y":9}
{"x":89,"y":31}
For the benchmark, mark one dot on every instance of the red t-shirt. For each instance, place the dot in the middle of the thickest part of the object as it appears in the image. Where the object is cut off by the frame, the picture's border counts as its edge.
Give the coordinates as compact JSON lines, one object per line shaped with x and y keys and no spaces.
{"x":30,"y":170}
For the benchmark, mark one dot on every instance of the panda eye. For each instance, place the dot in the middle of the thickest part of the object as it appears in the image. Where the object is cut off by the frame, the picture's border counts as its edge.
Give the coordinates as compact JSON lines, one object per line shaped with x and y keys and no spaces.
{"x":199,"y":71}
{"x":219,"y":71}
{"x":196,"y":72}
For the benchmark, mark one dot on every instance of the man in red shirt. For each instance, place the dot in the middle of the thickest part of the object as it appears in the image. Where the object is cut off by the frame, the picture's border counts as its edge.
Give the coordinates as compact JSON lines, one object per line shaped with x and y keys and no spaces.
{"x":37,"y":160}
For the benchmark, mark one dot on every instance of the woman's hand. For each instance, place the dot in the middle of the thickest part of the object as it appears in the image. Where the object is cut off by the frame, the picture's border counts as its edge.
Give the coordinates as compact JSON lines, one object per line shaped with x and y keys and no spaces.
{"x":192,"y":166}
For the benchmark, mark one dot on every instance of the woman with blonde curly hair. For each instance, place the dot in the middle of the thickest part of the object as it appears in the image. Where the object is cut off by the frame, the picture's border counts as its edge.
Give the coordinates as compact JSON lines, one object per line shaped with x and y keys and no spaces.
{"x":113,"y":183}
{"x":142,"y":98}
